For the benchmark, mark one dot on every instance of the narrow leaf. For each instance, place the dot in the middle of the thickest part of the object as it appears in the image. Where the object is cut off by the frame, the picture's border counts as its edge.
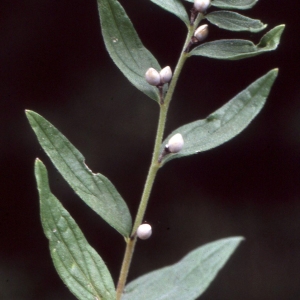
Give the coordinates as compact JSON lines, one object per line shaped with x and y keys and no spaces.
{"x":235,"y":22}
{"x":76,"y":262}
{"x":232,"y":4}
{"x":94,"y":189}
{"x":125,"y":47}
{"x":175,"y":7}
{"x":239,"y":49}
{"x":225,"y":123}
{"x":188,"y":278}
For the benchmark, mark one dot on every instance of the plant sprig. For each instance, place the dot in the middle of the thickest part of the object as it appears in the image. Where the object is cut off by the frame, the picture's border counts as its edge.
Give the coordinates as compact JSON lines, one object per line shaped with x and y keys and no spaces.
{"x":76,"y":262}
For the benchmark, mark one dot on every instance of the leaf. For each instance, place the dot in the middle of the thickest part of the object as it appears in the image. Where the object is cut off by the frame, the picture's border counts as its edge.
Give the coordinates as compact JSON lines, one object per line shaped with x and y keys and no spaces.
{"x":125,"y":47}
{"x":232,"y":4}
{"x":94,"y":189}
{"x":239,"y":49}
{"x":235,"y":22}
{"x":175,"y":7}
{"x":188,"y":278}
{"x":76,"y":262}
{"x":225,"y":123}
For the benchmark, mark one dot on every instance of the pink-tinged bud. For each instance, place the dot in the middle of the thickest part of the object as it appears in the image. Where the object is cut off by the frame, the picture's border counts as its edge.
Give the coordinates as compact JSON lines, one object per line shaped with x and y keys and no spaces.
{"x":144,"y":231}
{"x":202,"y":5}
{"x":201,"y":32}
{"x":165,"y":75}
{"x":152,"y":77}
{"x":175,"y":143}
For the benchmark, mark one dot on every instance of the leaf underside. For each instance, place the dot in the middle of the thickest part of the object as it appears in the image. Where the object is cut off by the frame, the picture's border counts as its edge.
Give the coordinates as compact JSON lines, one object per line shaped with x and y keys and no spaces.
{"x":94,"y":189}
{"x":76,"y":262}
{"x":125,"y":47}
{"x":188,"y":278}
{"x":225,"y":123}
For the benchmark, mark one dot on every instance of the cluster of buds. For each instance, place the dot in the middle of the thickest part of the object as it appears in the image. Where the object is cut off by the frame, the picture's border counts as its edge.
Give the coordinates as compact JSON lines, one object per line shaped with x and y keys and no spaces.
{"x":158,"y":79}
{"x":175,"y":145}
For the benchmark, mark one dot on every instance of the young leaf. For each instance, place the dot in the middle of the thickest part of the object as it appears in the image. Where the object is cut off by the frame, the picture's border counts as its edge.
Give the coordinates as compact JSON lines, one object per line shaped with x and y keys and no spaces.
{"x":225,"y":123}
{"x":125,"y":47}
{"x":188,"y":278}
{"x":175,"y":7}
{"x":239,"y":49}
{"x":232,"y":4}
{"x":94,"y":189}
{"x":235,"y":22}
{"x":77,"y":263}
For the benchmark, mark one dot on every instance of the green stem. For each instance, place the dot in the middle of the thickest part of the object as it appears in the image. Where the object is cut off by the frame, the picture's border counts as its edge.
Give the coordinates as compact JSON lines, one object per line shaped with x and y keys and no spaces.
{"x":155,"y":165}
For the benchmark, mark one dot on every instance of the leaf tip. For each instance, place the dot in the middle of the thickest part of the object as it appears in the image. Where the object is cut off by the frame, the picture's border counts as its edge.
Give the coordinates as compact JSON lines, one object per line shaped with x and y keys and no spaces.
{"x":282,"y":26}
{"x":28,"y":112}
{"x":275,"y":72}
{"x":238,"y":240}
{"x":37,"y":160}
{"x":38,"y":164}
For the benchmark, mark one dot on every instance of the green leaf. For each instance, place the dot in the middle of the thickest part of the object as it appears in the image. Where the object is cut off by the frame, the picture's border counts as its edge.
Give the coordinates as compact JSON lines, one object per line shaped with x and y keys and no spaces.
{"x":225,"y":123}
{"x":94,"y":189}
{"x":125,"y":47}
{"x":235,"y":22}
{"x":232,"y":4}
{"x":76,"y":262}
{"x":175,"y":7}
{"x":239,"y":49}
{"x":188,"y":278}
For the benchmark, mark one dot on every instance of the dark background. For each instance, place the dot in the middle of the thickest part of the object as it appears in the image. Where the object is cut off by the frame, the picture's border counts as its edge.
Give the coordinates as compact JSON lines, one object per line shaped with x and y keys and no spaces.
{"x":53,"y":61}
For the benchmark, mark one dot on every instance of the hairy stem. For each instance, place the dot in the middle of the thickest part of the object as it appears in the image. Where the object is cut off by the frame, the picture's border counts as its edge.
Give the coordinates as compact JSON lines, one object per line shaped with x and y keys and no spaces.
{"x":155,"y":165}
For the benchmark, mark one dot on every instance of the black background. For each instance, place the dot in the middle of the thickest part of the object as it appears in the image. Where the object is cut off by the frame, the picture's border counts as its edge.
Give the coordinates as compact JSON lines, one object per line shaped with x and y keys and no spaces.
{"x":53,"y":61}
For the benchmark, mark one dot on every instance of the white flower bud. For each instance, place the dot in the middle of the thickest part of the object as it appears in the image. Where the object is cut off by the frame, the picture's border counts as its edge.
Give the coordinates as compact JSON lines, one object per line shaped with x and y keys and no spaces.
{"x":201,"y":32}
{"x":202,"y":5}
{"x":165,"y":75}
{"x":175,"y":143}
{"x":152,"y":77}
{"x":144,"y":231}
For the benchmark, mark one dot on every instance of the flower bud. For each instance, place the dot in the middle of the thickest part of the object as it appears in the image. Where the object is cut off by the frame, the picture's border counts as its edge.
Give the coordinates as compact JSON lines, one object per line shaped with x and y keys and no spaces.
{"x":152,"y":77}
{"x":175,"y":143}
{"x":165,"y":75}
{"x":201,"y":32}
{"x":201,"y":5}
{"x":144,"y":231}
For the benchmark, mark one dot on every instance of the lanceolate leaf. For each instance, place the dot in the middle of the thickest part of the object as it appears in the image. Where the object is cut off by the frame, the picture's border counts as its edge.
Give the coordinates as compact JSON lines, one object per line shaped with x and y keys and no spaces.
{"x":235,"y":22}
{"x":225,"y":123}
{"x":239,"y":49}
{"x":125,"y":47}
{"x":232,"y":4}
{"x":188,"y":278}
{"x":94,"y":189}
{"x":175,"y":7}
{"x":76,"y":262}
